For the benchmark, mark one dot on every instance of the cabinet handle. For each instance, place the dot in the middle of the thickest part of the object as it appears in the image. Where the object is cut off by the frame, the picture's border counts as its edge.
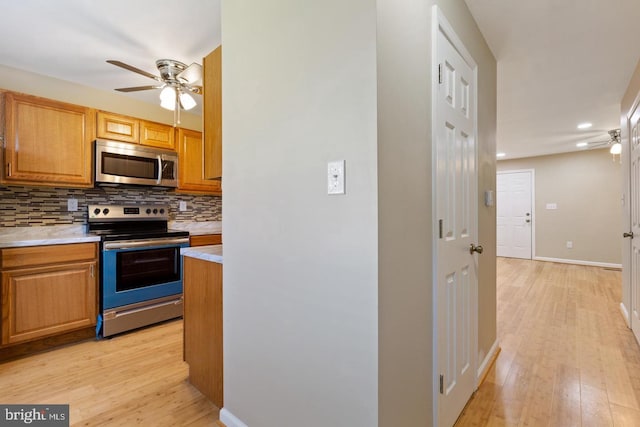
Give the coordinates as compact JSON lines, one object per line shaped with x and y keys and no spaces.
{"x":9,"y":169}
{"x":92,"y":274}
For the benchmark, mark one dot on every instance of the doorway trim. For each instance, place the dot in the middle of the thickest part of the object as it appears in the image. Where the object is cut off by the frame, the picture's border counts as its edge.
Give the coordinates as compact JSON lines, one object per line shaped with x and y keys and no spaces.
{"x":440,"y":23}
{"x":533,"y":204}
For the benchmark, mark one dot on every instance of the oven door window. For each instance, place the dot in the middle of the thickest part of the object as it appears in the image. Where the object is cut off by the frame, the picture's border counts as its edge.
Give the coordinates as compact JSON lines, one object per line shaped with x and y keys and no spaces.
{"x":129,"y":166}
{"x":148,"y":267}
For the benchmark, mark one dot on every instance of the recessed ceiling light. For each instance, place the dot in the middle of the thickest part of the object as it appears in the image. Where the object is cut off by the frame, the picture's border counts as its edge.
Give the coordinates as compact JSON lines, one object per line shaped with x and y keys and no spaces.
{"x":501,"y":154}
{"x":585,"y":125}
{"x":582,"y":144}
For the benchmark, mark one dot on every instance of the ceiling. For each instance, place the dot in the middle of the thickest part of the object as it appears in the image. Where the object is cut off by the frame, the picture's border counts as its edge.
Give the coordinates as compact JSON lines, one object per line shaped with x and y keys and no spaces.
{"x":72,"y":39}
{"x":560,"y":62}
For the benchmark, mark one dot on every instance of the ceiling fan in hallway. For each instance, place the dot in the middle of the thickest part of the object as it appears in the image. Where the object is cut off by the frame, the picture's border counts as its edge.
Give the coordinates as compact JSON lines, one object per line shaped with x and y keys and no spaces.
{"x":613,"y":142}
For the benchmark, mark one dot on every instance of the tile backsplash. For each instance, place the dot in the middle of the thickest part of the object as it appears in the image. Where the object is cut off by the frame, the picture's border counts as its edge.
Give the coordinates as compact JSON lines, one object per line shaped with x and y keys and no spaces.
{"x":37,"y":206}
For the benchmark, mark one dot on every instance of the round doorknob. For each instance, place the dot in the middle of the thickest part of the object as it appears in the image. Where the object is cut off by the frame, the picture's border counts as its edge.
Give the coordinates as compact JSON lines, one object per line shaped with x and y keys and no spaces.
{"x":528,"y":220}
{"x":473,"y":248}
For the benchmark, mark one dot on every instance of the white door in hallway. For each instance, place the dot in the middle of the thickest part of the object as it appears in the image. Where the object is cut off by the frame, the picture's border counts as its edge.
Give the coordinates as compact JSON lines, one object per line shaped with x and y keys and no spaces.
{"x":634,"y":155}
{"x":455,"y":198}
{"x":514,"y":213}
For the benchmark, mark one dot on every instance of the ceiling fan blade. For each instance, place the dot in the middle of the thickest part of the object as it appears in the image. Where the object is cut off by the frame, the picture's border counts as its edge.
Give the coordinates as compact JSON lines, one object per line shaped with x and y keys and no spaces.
{"x":134,"y":69}
{"x":136,"y":88}
{"x":192,"y":74}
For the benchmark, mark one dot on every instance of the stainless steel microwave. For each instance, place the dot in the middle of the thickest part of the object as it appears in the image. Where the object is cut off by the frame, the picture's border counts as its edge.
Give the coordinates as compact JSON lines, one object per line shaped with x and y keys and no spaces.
{"x":124,"y":163}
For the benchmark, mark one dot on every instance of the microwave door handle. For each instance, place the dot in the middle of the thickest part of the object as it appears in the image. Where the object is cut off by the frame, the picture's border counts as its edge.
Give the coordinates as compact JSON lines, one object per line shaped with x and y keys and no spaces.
{"x":159,"y":169}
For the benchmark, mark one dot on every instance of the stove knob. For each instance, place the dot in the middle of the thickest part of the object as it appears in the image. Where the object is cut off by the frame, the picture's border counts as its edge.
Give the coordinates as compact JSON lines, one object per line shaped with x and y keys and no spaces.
{"x":148,"y":211}
{"x":162,"y":211}
{"x":105,"y":211}
{"x":96,"y":211}
{"x":155,"y":211}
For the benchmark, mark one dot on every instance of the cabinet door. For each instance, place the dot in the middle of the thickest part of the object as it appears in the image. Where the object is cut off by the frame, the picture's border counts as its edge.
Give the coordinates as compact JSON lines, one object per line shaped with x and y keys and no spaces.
{"x":212,"y":114}
{"x":45,"y":301}
{"x":190,"y":167}
{"x":117,"y":127}
{"x":47,"y":142}
{"x":157,"y":135}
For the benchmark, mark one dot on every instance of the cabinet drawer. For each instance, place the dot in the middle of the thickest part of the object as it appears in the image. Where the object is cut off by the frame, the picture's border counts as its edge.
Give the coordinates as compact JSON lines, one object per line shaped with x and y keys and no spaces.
{"x":205,"y":239}
{"x":116,"y":127}
{"x":52,"y":254}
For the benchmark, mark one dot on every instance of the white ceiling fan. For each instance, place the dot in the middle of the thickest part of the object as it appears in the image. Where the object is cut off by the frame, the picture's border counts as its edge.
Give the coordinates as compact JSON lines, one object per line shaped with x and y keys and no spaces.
{"x":176,"y":81}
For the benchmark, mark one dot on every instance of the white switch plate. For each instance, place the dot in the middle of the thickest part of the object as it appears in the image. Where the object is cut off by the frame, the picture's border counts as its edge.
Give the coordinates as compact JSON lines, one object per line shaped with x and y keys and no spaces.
{"x":569,"y":244}
{"x":335,"y":177}
{"x":552,"y":206}
{"x":182,"y":206}
{"x":72,"y":205}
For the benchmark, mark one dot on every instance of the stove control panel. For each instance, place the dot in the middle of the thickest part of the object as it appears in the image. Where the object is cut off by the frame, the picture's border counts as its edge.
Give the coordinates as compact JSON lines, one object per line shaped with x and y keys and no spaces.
{"x":128,"y":212}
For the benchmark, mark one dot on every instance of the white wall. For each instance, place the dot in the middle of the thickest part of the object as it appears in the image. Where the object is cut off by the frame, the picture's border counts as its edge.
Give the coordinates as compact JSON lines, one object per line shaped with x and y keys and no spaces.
{"x":300,"y":285}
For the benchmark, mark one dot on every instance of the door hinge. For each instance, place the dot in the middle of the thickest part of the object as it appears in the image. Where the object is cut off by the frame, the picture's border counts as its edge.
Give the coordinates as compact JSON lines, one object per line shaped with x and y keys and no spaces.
{"x":440,"y":228}
{"x":440,"y":73}
{"x":441,"y":383}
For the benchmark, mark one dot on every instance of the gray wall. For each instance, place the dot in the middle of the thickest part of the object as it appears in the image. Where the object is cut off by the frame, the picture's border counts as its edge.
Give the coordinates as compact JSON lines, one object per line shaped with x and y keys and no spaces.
{"x":328,"y":309}
{"x":585,"y":185}
{"x":300,"y":274}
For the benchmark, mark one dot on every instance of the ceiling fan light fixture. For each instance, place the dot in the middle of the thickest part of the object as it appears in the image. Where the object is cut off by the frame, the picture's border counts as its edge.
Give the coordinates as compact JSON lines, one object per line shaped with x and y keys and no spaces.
{"x":187,"y":101}
{"x":616,"y":148}
{"x":168,"y":98}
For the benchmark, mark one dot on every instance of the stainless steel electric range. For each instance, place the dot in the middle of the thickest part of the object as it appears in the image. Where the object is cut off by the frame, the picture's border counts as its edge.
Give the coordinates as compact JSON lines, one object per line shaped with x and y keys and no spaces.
{"x":140,"y":266}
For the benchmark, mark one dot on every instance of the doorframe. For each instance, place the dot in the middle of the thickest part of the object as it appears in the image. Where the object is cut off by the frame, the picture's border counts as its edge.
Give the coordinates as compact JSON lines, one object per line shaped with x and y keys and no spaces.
{"x":440,"y":22}
{"x":533,"y":204}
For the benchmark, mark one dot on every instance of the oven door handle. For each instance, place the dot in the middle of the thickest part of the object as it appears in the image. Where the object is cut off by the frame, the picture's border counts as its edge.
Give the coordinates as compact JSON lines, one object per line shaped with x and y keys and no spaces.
{"x":126,"y":244}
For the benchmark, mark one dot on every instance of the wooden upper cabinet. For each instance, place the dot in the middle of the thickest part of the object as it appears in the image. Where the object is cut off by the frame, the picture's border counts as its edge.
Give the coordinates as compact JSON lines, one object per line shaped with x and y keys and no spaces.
{"x":117,"y":127}
{"x":157,"y":135}
{"x":212,"y":114}
{"x":191,"y":164}
{"x":129,"y":129}
{"x":47,"y":142}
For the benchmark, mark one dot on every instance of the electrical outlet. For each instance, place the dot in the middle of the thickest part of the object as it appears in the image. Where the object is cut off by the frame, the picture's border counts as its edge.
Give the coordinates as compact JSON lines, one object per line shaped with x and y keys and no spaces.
{"x":72,"y":205}
{"x":335,"y":177}
{"x":182,"y":206}
{"x":569,"y":244}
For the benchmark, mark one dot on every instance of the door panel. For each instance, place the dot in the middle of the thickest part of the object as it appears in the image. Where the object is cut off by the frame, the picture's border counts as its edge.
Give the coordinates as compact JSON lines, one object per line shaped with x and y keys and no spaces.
{"x":456,"y":209}
{"x":514,"y":214}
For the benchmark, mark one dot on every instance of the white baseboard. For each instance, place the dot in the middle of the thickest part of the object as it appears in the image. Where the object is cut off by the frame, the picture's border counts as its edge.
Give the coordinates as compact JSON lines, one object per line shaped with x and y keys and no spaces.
{"x":486,"y":363}
{"x":230,"y":420}
{"x":625,"y":314}
{"x":579,"y":262}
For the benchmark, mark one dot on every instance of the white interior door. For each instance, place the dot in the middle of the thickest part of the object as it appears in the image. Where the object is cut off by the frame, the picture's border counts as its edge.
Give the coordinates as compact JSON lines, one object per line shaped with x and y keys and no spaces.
{"x":514,"y":214}
{"x":456,"y":215}
{"x":634,"y":154}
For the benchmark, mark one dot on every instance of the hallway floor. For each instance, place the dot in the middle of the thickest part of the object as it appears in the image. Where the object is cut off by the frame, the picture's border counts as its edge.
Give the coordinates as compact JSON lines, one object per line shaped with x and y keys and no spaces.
{"x":567,"y":359}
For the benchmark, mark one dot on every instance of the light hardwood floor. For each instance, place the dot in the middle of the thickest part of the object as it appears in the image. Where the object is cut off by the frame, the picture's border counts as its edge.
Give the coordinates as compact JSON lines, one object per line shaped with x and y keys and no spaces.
{"x":137,"y":378}
{"x":567,"y":358}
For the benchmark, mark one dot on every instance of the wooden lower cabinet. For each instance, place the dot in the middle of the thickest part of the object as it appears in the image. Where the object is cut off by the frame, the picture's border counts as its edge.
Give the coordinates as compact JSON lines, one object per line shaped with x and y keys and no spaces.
{"x":205,"y":239}
{"x":42,"y":300}
{"x":203,"y":326}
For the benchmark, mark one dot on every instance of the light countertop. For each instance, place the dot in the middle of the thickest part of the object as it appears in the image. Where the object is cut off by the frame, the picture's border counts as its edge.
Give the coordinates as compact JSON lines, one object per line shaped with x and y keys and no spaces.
{"x":11,"y":237}
{"x":211,"y":253}
{"x":197,"y":227}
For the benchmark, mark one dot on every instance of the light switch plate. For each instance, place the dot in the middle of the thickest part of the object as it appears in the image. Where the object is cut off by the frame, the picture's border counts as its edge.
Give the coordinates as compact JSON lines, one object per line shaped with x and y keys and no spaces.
{"x":335,"y":177}
{"x":551,"y":206}
{"x":72,"y":205}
